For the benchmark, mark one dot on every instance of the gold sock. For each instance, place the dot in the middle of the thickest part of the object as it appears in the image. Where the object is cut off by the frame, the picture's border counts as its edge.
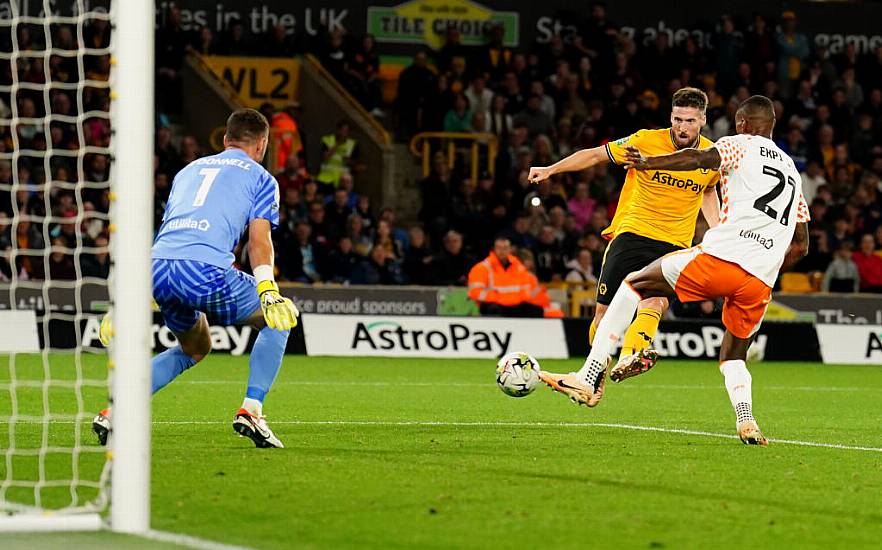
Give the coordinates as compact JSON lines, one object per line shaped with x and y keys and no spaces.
{"x":592,"y":330}
{"x":641,"y":332}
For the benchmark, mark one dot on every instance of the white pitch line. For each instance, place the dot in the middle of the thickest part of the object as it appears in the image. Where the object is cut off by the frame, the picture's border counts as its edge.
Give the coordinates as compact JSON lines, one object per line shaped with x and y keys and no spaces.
{"x":613,"y":425}
{"x":629,"y":386}
{"x":188,"y":541}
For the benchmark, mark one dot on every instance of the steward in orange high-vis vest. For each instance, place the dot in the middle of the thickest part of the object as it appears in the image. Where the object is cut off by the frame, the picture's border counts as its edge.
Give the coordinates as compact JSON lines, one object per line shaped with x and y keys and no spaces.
{"x":502,"y":286}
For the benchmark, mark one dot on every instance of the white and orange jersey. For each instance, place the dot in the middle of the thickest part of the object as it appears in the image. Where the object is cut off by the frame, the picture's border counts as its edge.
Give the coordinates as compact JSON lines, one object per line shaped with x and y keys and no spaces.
{"x":762,"y":203}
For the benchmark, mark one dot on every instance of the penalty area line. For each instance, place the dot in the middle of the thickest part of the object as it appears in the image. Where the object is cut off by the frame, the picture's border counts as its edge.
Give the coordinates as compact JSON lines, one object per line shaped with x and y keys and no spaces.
{"x":610,"y":425}
{"x":188,"y":541}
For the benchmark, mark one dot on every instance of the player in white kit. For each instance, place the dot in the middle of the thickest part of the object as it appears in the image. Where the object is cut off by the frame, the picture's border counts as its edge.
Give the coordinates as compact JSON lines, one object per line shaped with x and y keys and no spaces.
{"x":763,"y":218}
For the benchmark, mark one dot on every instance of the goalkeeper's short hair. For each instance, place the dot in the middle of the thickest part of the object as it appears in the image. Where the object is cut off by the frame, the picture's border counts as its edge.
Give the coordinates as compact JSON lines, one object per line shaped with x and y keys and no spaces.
{"x":246,"y":125}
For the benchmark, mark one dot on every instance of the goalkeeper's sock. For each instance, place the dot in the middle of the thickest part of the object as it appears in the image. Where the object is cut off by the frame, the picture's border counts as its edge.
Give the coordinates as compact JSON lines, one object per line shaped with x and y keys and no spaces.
{"x":738,"y":384}
{"x":641,"y":332}
{"x":266,"y":359}
{"x":253,"y":406}
{"x":168,"y":365}
{"x":609,"y":332}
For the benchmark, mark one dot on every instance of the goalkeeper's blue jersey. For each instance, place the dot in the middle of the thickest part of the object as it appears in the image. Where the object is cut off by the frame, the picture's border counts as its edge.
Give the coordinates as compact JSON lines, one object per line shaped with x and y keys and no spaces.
{"x":212,"y":201}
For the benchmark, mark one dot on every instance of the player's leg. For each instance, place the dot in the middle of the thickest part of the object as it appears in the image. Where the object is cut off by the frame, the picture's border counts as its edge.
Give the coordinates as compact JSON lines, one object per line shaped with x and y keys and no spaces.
{"x":619,"y":260}
{"x":586,"y":386}
{"x":189,"y":326}
{"x":742,"y":316}
{"x":243,"y":307}
{"x":648,"y":283}
{"x":194,"y":344}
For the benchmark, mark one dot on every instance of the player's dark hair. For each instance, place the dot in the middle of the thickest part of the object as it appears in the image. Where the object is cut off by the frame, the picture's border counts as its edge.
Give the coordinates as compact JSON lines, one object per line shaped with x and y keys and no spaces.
{"x":690,"y":97}
{"x":758,"y":106}
{"x":246,"y":125}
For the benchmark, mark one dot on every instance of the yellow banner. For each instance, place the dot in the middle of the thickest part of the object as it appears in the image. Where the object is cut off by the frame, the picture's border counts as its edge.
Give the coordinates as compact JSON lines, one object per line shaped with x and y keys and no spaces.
{"x":257,"y":80}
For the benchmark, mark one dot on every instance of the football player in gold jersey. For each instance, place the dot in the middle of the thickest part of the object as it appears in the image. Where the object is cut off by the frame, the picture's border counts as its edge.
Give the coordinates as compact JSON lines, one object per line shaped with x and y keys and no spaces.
{"x":656,"y":215}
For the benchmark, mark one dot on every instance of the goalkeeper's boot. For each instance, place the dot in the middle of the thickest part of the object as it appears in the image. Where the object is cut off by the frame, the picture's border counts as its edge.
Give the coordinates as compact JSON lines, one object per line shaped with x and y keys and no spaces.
{"x":633,"y":365}
{"x":750,"y":433}
{"x":573,"y":387}
{"x":255,"y":428}
{"x":101,"y":426}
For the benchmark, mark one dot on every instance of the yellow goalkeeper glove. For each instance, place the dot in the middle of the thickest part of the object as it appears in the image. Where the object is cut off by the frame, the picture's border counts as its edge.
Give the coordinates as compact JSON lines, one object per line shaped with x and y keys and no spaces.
{"x":279,"y":312}
{"x":105,"y":331}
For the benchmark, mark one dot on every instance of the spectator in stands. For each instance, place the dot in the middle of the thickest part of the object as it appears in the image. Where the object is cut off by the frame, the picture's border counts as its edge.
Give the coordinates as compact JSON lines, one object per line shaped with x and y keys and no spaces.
{"x":347,"y":183}
{"x":28,"y":236}
{"x":339,"y":152}
{"x":384,"y":238}
{"x":534,"y":118}
{"x":341,"y":261}
{"x":581,"y":268}
{"x":97,"y":264}
{"x":278,"y":42}
{"x":518,"y":235}
{"x":452,"y":48}
{"x":548,"y":256}
{"x":793,"y":52}
{"x":869,"y":265}
{"x":189,"y":150}
{"x":459,"y":117}
{"x":167,"y":155}
{"x":363,"y":209}
{"x":451,"y":266}
{"x":205,"y":43}
{"x":358,"y":235}
{"x":435,"y":194}
{"x":378,"y":269}
{"x":581,"y":206}
{"x":322,"y":233}
{"x":812,"y":178}
{"x":364,"y":70}
{"x":172,"y":43}
{"x":302,"y":260}
{"x":479,"y":96}
{"x":418,"y":258}
{"x":61,"y":265}
{"x":842,"y":273}
{"x":337,"y":213}
{"x":235,"y":42}
{"x":416,"y":84}
{"x":293,"y":176}
{"x":501,"y":285}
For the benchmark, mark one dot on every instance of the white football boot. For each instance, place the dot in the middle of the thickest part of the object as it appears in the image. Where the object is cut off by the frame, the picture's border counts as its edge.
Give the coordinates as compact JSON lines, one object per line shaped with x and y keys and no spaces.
{"x":256,"y":429}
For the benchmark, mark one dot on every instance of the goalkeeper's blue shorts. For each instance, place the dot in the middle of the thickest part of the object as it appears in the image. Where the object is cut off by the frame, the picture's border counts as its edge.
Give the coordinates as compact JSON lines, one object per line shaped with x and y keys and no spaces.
{"x":184,"y":288}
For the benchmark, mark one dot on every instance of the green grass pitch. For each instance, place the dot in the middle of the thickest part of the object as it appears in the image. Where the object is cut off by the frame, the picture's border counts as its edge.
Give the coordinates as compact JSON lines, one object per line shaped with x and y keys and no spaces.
{"x":407,"y":453}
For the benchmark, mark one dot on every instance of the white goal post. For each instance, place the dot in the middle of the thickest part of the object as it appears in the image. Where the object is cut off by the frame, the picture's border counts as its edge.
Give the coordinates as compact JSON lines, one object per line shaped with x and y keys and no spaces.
{"x":123,"y":485}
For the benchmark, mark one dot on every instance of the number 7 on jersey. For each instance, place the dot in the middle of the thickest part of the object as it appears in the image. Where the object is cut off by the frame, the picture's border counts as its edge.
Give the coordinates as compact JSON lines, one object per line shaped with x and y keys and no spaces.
{"x":208,"y":176}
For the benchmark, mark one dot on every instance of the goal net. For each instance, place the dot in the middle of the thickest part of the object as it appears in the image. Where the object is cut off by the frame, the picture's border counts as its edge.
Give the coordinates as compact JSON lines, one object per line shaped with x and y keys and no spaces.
{"x":68,"y":239}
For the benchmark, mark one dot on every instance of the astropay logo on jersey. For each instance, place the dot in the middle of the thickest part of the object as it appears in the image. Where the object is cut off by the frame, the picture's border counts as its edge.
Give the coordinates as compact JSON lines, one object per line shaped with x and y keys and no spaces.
{"x":432,"y":336}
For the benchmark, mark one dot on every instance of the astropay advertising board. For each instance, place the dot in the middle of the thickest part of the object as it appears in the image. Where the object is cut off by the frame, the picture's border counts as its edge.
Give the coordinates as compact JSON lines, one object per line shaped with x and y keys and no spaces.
{"x":851,"y":344}
{"x":387,"y":336}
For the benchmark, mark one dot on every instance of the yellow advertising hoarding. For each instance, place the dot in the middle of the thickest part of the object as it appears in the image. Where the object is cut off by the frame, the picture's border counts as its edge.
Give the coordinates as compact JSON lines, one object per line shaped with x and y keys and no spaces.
{"x":257,"y":80}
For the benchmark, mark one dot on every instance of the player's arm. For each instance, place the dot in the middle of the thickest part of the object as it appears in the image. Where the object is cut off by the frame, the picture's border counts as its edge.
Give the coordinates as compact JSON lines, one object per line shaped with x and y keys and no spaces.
{"x":580,"y":160}
{"x":684,"y":159}
{"x":279,"y":312}
{"x":800,"y":242}
{"x":710,"y":206}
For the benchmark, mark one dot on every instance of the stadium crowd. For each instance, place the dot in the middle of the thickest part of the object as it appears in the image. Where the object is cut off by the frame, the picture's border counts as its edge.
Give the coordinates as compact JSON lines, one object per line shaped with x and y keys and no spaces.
{"x":542,"y":101}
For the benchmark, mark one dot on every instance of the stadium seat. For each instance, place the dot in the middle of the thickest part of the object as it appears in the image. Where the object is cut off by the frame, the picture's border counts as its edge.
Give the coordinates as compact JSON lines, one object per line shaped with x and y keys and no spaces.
{"x":797,"y":283}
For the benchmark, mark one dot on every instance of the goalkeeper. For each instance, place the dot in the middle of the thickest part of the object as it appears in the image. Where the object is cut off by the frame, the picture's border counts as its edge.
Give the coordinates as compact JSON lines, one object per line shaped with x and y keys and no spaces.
{"x":213,"y":200}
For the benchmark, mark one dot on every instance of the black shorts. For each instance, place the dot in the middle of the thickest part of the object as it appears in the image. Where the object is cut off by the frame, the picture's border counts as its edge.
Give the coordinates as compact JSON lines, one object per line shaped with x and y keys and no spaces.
{"x":627,"y":253}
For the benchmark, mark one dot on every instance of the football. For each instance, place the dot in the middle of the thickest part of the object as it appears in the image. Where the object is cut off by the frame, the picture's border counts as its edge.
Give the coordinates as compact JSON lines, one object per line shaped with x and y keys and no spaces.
{"x":517,"y":374}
